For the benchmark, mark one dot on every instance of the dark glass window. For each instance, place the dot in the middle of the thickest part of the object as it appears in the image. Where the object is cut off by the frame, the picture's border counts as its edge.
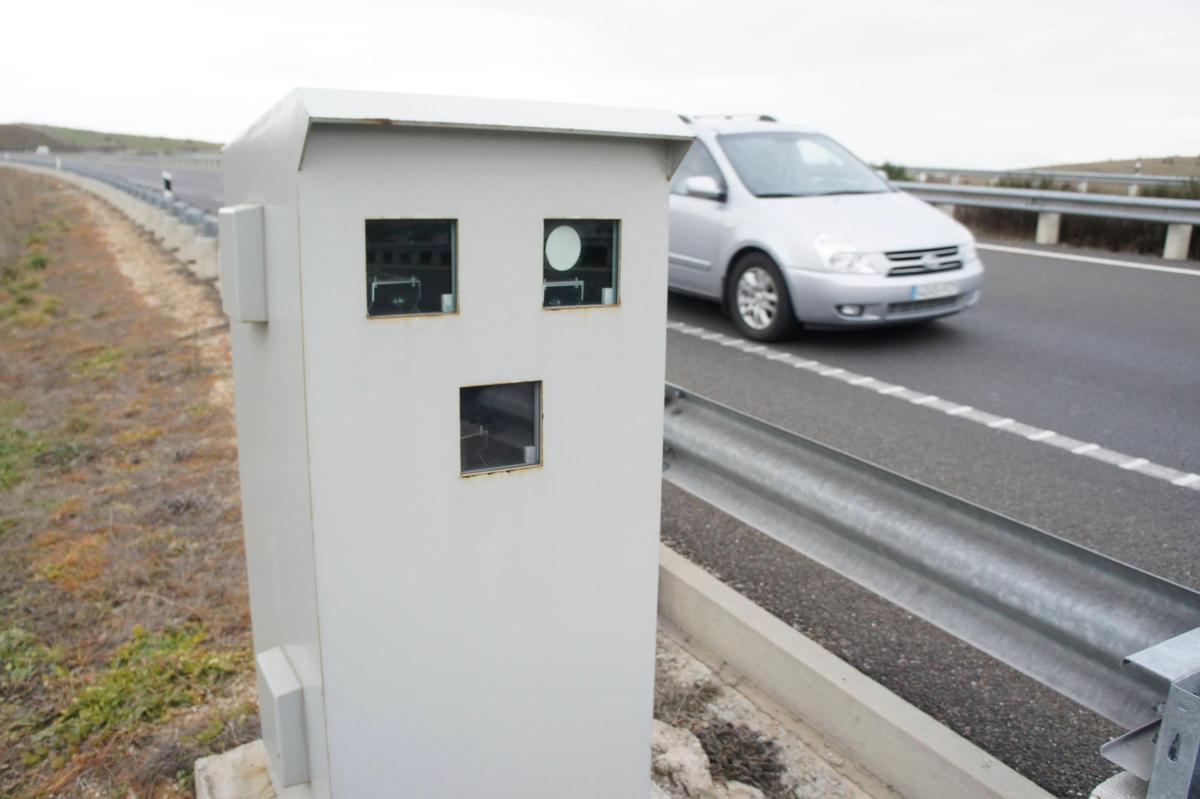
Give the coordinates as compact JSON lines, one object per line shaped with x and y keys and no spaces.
{"x":579,"y":262}
{"x":500,"y":426}
{"x":411,"y":267}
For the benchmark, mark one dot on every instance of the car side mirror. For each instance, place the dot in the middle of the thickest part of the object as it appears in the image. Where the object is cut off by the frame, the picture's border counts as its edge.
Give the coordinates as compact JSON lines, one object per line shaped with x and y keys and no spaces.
{"x":704,"y":186}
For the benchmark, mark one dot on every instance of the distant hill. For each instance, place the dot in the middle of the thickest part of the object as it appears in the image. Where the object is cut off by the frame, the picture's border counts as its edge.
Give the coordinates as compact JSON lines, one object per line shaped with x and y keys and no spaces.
{"x":26,"y":136}
{"x":1182,"y":165}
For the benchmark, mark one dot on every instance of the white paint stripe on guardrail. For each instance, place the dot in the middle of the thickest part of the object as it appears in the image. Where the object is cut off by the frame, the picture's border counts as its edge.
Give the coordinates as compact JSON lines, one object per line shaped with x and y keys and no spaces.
{"x":958,"y":410}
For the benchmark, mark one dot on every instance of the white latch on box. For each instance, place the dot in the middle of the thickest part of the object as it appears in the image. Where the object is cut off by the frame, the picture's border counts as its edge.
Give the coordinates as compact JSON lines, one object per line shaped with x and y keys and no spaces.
{"x":281,"y":700}
{"x":243,"y":263}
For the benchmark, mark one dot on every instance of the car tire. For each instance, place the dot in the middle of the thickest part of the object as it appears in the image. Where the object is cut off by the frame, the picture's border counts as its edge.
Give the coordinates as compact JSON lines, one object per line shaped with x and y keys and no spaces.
{"x":758,"y":299}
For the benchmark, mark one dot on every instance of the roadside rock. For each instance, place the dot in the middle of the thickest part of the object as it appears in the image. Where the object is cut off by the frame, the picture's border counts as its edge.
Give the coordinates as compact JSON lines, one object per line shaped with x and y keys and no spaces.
{"x":678,"y":760}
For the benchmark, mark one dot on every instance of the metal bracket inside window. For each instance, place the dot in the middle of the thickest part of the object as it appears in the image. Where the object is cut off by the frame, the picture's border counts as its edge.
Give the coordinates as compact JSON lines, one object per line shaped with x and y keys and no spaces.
{"x":562,"y":284}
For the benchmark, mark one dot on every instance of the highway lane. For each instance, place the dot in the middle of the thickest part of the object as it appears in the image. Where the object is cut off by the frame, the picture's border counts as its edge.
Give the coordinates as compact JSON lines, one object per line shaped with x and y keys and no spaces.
{"x":1101,"y":354}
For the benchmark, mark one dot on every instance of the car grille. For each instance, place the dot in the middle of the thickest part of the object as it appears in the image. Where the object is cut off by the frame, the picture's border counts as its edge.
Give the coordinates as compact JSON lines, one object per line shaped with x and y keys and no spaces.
{"x":922,"y":305}
{"x":920,"y":262}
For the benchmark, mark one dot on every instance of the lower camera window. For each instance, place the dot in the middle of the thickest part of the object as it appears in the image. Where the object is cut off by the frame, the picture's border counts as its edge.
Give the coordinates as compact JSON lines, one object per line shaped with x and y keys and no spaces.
{"x":500,"y":426}
{"x":579,"y":262}
{"x":411,"y":267}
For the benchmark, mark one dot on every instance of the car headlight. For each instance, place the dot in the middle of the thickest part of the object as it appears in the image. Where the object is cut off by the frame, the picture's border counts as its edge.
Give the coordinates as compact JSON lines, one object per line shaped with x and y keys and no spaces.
{"x":967,"y":251}
{"x":836,"y":256}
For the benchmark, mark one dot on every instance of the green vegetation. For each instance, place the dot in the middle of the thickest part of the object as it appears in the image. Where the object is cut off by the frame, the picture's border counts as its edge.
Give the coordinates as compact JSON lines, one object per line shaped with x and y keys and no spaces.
{"x":21,"y":449}
{"x":1187,"y":191}
{"x":147,"y":677}
{"x":17,"y":284}
{"x":18,"y":449}
{"x":36,"y":261}
{"x":22,"y":658}
{"x":895,"y":171}
{"x":102,"y":362}
{"x":26,"y":136}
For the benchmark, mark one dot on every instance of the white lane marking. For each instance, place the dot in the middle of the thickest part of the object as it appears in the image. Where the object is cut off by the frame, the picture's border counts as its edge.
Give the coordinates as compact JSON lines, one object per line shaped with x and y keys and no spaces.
{"x":1090,"y":259}
{"x":966,"y":412}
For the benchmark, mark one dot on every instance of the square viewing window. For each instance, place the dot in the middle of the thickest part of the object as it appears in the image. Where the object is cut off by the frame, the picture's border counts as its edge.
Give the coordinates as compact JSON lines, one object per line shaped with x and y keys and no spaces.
{"x":412,"y":267}
{"x":500,"y":426}
{"x":579,"y":262}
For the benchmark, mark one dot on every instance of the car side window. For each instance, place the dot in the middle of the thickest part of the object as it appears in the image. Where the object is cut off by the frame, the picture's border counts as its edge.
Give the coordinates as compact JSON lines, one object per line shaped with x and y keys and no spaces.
{"x":698,"y":161}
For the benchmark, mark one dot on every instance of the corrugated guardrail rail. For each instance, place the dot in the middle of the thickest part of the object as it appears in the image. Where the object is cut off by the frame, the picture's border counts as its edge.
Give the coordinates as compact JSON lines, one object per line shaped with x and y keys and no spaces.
{"x":1069,"y":176}
{"x":1063,"y":614}
{"x":1113,"y":206}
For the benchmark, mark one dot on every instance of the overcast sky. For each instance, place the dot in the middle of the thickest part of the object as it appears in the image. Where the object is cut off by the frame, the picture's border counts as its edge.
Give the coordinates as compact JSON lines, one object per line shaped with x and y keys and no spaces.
{"x":1005,"y":83}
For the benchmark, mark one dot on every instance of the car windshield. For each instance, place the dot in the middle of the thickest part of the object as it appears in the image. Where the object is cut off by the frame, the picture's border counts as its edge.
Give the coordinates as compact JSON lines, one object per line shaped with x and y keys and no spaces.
{"x":788,"y":164}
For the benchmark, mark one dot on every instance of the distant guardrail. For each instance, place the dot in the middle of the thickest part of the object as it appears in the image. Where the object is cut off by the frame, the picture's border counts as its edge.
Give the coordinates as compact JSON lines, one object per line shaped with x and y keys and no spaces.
{"x":1180,"y":216}
{"x":1081,"y":179}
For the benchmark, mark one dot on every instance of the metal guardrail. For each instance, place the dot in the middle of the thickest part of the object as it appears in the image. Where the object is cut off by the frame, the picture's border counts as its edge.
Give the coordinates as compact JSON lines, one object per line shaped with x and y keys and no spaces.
{"x":1148,"y":209}
{"x":1061,"y":613}
{"x":1067,"y":176}
{"x":1180,"y":216}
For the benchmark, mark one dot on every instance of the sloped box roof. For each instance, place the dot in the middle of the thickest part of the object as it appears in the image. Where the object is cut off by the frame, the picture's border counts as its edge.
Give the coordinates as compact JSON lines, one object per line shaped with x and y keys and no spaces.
{"x":289,"y":122}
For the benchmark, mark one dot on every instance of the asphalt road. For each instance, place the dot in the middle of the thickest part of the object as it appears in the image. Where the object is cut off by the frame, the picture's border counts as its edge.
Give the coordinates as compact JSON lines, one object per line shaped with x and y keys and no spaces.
{"x":1105,"y":355}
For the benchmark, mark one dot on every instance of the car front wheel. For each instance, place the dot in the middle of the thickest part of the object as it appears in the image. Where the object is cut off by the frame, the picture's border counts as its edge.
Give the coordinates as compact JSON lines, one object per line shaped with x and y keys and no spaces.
{"x":759,"y":300}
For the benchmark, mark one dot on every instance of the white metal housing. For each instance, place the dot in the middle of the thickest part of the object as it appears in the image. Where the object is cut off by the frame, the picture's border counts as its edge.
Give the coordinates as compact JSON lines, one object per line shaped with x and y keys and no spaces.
{"x":490,"y":635}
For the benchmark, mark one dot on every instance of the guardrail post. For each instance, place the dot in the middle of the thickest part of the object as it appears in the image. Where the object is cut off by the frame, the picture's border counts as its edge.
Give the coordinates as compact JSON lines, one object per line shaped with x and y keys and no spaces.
{"x":1179,"y":237}
{"x":1133,"y":189}
{"x":1082,"y":186}
{"x":946,"y":208}
{"x":1047,"y":228}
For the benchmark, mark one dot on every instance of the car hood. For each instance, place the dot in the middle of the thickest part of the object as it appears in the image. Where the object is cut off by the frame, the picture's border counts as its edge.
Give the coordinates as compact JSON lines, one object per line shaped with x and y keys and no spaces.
{"x":879,"y":222}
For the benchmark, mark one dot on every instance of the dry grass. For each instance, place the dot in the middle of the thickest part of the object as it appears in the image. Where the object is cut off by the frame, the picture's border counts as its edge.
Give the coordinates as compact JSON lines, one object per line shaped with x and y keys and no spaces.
{"x":124,"y":630}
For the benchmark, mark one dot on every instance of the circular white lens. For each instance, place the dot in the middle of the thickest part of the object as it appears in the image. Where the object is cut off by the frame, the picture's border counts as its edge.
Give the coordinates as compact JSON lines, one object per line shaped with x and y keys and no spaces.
{"x":563,"y":247}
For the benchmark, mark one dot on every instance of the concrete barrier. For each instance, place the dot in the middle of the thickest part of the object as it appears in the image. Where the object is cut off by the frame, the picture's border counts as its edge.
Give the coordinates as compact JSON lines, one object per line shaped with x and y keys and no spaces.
{"x":904,"y":748}
{"x":164,"y":221}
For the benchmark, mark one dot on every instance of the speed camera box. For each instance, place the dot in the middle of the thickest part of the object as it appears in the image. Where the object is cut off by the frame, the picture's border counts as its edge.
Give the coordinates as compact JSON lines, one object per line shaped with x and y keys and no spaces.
{"x":448,"y":352}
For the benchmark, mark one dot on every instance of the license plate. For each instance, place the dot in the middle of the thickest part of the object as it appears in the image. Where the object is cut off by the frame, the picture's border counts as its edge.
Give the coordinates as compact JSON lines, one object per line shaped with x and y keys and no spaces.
{"x":931,"y":291}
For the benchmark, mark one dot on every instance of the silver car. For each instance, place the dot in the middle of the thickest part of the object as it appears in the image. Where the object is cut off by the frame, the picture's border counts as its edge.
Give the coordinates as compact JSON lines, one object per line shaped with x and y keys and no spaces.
{"x":784,"y":226}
